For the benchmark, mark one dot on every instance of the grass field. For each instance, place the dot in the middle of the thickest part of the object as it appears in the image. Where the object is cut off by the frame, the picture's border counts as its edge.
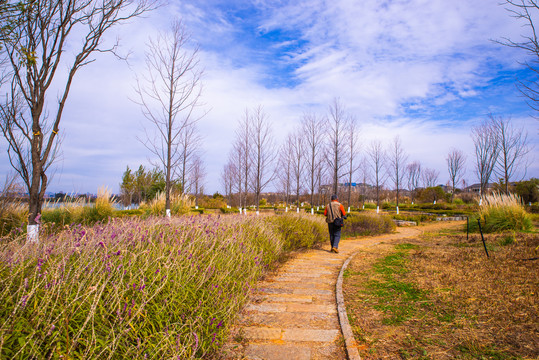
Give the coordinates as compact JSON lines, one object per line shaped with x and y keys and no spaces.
{"x":440,"y":297}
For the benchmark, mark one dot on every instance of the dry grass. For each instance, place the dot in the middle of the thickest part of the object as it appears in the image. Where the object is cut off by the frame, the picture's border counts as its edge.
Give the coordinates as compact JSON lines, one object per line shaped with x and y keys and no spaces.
{"x":179,"y":204}
{"x":453,"y":301}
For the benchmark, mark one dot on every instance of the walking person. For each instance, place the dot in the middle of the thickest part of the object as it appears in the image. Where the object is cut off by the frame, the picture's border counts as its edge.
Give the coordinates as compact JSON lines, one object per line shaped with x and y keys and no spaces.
{"x":335,"y":214}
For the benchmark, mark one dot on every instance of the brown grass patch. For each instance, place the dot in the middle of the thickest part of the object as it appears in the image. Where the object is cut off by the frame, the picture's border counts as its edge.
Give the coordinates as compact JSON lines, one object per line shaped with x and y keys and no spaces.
{"x":452,"y":300}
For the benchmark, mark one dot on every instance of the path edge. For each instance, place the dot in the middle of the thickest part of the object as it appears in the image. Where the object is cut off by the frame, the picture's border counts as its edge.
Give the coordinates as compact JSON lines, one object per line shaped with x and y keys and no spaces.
{"x":346,"y":329}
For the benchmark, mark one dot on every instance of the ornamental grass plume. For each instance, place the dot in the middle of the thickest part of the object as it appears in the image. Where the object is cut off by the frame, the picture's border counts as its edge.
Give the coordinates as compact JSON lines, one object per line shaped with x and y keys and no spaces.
{"x":179,"y":204}
{"x":502,"y":212}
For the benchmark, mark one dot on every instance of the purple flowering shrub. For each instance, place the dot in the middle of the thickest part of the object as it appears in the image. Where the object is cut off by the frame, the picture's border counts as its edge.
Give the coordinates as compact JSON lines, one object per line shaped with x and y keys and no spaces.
{"x":132,"y":288}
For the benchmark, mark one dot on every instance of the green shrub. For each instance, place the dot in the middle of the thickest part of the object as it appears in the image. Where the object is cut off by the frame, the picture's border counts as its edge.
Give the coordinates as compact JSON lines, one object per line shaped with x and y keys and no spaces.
{"x":418,"y":218}
{"x":300,"y":230}
{"x":231,"y":210}
{"x":367,"y":224}
{"x":212,"y":202}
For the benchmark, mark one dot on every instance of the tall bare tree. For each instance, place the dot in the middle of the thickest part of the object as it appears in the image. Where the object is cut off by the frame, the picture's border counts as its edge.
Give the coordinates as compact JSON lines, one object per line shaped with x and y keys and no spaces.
{"x":397,"y":158}
{"x":486,"y":152}
{"x":227,"y":180}
{"x":313,"y":129}
{"x":37,"y":55}
{"x":336,"y":154}
{"x":513,"y":149}
{"x":364,"y":173}
{"x":298,"y":162}
{"x":284,"y":175}
{"x":413,"y":172}
{"x":197,"y":177}
{"x":352,"y":137}
{"x":527,"y":12}
{"x":456,"y":161}
{"x":235,"y":160}
{"x":189,"y":151}
{"x":263,"y":153}
{"x":169,"y":93}
{"x":244,"y":149}
{"x":377,"y":160}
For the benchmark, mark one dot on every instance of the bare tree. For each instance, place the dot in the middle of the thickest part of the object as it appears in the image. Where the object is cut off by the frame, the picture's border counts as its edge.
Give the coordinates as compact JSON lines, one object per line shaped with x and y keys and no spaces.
{"x":263,"y":153}
{"x":313,"y":129}
{"x":189,"y":149}
{"x":430,"y":177}
{"x":397,"y":162}
{"x":36,"y":53}
{"x":456,"y":167}
{"x":486,"y":152}
{"x":197,"y":177}
{"x":227,"y":180}
{"x":235,"y":158}
{"x":336,"y":127}
{"x":243,"y":147}
{"x":353,"y":149}
{"x":284,"y":175}
{"x":513,"y":149}
{"x":169,"y":93}
{"x":364,"y":169}
{"x":298,"y":162}
{"x":377,"y":161}
{"x":413,"y":171}
{"x":527,"y":11}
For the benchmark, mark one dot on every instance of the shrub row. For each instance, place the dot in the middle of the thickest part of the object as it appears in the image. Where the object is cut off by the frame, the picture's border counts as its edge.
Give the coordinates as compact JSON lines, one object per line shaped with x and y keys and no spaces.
{"x":366,"y":224}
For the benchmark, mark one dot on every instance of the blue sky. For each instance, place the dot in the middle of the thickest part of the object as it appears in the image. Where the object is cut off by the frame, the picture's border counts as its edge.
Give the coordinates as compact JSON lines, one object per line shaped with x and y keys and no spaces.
{"x":425,"y":70}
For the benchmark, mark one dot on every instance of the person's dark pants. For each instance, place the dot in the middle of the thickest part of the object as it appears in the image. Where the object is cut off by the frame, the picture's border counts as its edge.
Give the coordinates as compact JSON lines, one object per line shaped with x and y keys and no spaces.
{"x":334,"y":235}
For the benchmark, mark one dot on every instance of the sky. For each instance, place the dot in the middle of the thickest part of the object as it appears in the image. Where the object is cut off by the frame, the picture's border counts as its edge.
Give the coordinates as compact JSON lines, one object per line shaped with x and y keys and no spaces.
{"x":425,"y":70}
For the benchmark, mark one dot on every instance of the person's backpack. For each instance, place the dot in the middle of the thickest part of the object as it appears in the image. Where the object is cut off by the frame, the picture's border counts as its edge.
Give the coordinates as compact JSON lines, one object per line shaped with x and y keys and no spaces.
{"x":339,"y":221}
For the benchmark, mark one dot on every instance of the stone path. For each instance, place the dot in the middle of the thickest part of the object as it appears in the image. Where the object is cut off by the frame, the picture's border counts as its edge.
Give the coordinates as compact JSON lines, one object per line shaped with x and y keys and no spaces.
{"x":293,"y":314}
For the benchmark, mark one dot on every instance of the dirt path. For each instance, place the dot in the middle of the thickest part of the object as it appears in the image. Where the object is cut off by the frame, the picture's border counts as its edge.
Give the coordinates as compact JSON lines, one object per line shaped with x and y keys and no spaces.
{"x":293,"y":315}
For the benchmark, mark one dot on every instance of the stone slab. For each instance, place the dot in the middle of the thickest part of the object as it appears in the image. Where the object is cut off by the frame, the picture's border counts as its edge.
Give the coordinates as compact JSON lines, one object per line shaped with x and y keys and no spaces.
{"x":304,"y":299}
{"x":310,"y":335}
{"x":281,"y":320}
{"x":311,"y":308}
{"x":266,"y":307}
{"x":313,"y":292}
{"x":261,"y":333}
{"x":277,"y":352}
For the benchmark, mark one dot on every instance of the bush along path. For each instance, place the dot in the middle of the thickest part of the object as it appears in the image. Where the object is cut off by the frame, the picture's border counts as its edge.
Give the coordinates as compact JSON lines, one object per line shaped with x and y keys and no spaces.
{"x":293,"y":312}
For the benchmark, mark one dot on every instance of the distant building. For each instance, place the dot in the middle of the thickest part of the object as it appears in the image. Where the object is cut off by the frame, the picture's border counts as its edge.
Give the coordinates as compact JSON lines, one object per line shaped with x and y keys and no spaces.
{"x":476,"y":188}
